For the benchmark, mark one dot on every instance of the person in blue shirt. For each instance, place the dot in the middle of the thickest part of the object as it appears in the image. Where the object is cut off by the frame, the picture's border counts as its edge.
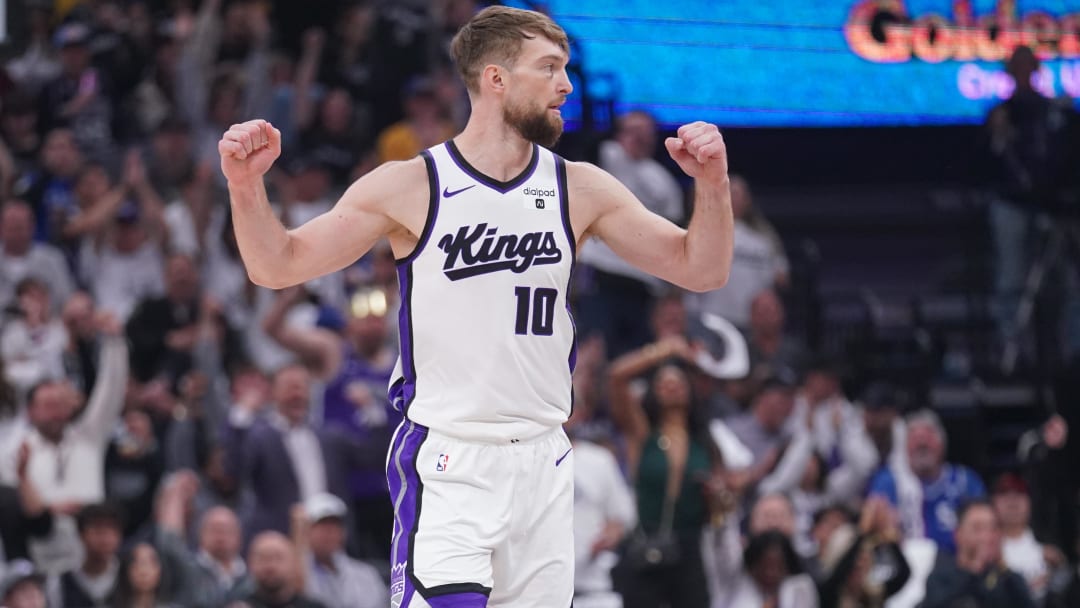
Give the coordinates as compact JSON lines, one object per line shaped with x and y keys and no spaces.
{"x":927,"y":491}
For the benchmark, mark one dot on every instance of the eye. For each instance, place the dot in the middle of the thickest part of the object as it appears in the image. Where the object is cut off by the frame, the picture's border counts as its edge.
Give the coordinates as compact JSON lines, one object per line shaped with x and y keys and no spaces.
{"x":550,"y":68}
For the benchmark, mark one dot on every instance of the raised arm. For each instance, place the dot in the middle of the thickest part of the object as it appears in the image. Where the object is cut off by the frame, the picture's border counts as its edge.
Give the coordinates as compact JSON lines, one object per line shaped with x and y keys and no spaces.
{"x":698,"y":258}
{"x":278,"y":258}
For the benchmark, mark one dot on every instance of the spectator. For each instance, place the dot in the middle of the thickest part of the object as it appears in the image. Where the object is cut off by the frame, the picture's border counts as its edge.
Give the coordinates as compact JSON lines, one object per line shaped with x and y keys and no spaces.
{"x":163,"y":330}
{"x":19,"y":130}
{"x":619,"y":296}
{"x":134,"y":464}
{"x":1040,"y":565}
{"x":356,"y":370}
{"x":758,"y":264}
{"x":49,"y":189}
{"x":318,"y":460}
{"x":976,"y":575}
{"x":38,"y":63}
{"x":864,"y":567}
{"x":80,"y":353}
{"x":21,"y":257}
{"x":170,"y":162}
{"x":124,"y":266}
{"x":669,"y":459}
{"x":337,"y":138}
{"x":762,"y":430}
{"x":97,"y":200}
{"x":930,"y":492}
{"x":347,"y":60}
{"x":79,"y":97}
{"x":214,"y":573}
{"x":140,"y":582}
{"x":67,"y":453}
{"x":33,"y":344}
{"x":767,"y":573}
{"x":881,"y":406}
{"x":333,"y":578}
{"x":276,"y":572}
{"x":92,"y":583}
{"x":425,"y":123}
{"x":12,"y":420}
{"x":838,"y":432}
{"x":23,"y":587}
{"x":769,"y":344}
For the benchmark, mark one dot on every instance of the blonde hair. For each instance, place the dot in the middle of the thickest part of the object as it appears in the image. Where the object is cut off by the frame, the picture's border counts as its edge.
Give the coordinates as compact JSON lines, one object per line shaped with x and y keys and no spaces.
{"x":494,"y":35}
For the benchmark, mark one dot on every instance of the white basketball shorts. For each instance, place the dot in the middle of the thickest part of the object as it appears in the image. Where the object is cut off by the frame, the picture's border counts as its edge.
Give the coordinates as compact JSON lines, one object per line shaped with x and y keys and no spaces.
{"x":481,"y":524}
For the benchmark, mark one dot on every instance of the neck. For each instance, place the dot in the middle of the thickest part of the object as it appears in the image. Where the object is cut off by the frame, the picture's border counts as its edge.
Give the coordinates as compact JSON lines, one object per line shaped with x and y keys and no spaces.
{"x":493,"y":147}
{"x":325,"y":560}
{"x":932,"y":473}
{"x":280,"y":596}
{"x":673,"y":422}
{"x":143,"y":599}
{"x":95,"y":565}
{"x":16,"y":252}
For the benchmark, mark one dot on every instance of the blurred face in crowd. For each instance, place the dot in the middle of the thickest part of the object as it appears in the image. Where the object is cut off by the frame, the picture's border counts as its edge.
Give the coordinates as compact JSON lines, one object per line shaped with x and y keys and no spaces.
{"x":772,"y":512}
{"x":74,"y":59}
{"x":272,"y":563}
{"x":637,"y":135}
{"x":19,"y":124}
{"x":540,"y":85}
{"x":128,"y":235}
{"x":355,"y":25}
{"x":337,"y":111}
{"x":16,"y":228}
{"x":225,"y":102}
{"x":879,"y":420}
{"x":1013,"y":509}
{"x":33,"y":298}
{"x":424,"y":106}
{"x":770,"y":570}
{"x":172,"y":152}
{"x":773,"y":406}
{"x":767,"y":313}
{"x":668,"y":318}
{"x":181,"y":278}
{"x":60,"y":155}
{"x":312,"y":183}
{"x":92,"y":184}
{"x":51,"y":408}
{"x":741,"y":199}
{"x":292,"y":389}
{"x":826,"y":524}
{"x":926,"y":449}
{"x":144,"y":573}
{"x":672,"y":388}
{"x":27,"y":594}
{"x":78,"y":315}
{"x":219,"y":534}
{"x":820,"y":385}
{"x":326,"y":537}
{"x":979,"y":533}
{"x":101,"y":539}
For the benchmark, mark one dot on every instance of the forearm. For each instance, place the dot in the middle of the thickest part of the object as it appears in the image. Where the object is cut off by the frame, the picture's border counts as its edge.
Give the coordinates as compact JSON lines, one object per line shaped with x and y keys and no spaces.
{"x":108,"y":397}
{"x":708,"y":245}
{"x":264,"y":243}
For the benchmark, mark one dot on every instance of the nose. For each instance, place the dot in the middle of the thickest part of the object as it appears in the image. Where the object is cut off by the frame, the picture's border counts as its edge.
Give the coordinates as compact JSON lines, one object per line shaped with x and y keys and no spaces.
{"x":565,"y":87}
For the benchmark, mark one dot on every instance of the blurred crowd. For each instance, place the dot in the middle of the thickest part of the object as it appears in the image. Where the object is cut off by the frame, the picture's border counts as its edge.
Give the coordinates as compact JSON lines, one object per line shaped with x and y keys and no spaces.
{"x":172,"y":435}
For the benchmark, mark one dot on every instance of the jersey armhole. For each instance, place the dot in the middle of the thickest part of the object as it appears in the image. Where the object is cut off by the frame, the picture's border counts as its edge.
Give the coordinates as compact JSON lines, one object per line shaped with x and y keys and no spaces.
{"x":432,"y":211}
{"x":564,"y":201}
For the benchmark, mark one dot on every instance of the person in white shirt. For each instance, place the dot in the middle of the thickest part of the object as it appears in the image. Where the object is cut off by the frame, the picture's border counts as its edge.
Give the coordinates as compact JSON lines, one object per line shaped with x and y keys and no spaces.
{"x":67,"y":459}
{"x":21,"y":257}
{"x":1021,"y":551}
{"x":330,"y":576}
{"x":759,"y":263}
{"x":33,"y":344}
{"x":629,"y":157}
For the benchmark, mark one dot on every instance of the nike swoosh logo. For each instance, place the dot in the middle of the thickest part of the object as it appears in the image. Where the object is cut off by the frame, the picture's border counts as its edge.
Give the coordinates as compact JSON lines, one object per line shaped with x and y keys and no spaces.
{"x":563,"y":457}
{"x":447,"y":193}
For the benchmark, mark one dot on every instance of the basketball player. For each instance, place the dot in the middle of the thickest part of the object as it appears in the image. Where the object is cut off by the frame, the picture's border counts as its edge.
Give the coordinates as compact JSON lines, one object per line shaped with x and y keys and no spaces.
{"x":484,"y":228}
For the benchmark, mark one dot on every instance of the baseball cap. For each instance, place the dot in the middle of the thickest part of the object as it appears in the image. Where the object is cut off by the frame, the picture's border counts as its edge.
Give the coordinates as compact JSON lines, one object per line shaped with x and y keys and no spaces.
{"x":1010,"y":483}
{"x":71,"y":34}
{"x":19,"y":571}
{"x":324,"y":506}
{"x":779,"y":377}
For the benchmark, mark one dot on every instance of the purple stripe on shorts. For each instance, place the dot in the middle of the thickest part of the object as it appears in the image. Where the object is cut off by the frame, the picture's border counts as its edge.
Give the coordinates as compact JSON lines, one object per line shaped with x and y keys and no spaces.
{"x":404,"y":483}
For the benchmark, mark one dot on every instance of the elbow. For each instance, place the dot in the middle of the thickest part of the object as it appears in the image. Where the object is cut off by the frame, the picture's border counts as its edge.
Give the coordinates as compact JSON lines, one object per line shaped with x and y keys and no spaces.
{"x":708,"y":281}
{"x":270,"y":280}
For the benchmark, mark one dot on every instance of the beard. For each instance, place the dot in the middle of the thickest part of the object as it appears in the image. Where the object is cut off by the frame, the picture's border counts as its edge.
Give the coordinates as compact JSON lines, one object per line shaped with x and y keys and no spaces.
{"x":539,"y":127}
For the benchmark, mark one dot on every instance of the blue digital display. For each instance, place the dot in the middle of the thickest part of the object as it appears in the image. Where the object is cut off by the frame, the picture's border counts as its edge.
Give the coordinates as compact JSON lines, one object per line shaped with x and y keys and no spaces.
{"x":783,"y":63}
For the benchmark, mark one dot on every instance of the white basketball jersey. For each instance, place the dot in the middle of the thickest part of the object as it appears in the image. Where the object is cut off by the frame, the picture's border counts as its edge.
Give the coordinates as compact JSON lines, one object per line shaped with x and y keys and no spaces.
{"x":487,"y":341}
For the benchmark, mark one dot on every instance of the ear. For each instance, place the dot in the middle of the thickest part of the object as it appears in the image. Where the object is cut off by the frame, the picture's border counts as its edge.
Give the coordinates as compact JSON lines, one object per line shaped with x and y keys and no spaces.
{"x":492,"y":77}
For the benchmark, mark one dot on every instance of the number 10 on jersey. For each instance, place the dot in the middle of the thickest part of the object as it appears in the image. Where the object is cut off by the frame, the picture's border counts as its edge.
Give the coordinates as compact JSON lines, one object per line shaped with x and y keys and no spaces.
{"x":541,"y":303}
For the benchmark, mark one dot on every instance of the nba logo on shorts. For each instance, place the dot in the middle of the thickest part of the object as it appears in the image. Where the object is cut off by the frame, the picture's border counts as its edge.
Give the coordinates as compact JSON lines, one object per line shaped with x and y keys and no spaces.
{"x":443,"y":462}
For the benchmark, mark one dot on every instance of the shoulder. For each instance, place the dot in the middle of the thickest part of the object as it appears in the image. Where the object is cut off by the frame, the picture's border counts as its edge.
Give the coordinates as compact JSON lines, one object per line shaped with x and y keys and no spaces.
{"x":580,"y":174}
{"x":392,"y":176}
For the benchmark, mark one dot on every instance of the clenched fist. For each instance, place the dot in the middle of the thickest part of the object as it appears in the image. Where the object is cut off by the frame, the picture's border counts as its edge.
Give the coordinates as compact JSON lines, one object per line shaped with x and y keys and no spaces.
{"x":699,"y":150}
{"x":248,"y":149}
